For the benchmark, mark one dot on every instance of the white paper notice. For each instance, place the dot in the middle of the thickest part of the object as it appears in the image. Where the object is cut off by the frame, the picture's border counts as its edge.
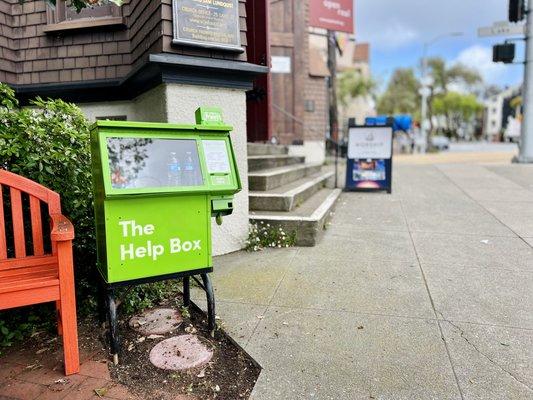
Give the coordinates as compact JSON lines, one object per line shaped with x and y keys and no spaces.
{"x":374,"y":142}
{"x":216,"y":156}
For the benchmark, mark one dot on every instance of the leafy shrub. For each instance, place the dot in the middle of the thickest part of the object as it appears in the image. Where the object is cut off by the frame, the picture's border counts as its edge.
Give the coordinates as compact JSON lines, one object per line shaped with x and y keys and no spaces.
{"x":49,"y":143}
{"x":261,"y":236}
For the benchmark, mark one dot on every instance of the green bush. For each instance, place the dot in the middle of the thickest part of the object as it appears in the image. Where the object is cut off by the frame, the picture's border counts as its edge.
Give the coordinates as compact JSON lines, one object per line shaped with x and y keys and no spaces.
{"x":49,"y":143}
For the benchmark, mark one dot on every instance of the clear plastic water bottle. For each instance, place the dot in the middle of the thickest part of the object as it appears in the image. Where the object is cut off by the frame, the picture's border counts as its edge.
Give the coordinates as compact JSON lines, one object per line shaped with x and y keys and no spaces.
{"x":173,"y":169}
{"x":189,"y":174}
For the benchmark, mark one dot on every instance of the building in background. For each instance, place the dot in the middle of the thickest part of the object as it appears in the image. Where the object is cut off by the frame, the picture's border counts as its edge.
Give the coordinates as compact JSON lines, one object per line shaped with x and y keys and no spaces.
{"x":137,"y":63}
{"x":498,"y":113}
{"x":355,"y":57}
{"x":299,"y":80}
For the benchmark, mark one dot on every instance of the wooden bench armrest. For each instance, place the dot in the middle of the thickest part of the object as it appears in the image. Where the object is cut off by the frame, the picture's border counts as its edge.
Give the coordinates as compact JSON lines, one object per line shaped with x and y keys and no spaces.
{"x":62,"y":229}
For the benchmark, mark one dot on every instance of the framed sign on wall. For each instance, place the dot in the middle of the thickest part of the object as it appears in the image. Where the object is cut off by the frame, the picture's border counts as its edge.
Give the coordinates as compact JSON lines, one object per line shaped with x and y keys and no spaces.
{"x":207,"y":23}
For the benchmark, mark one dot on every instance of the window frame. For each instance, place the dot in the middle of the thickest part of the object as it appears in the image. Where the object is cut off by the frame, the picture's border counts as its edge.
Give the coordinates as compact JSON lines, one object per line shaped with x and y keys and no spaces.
{"x":56,"y":18}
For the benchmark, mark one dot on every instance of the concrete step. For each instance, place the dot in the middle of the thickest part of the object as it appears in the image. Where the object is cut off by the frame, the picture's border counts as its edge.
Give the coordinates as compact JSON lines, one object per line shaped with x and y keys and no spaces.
{"x":257,"y":163}
{"x":288,"y":197}
{"x":272,"y":178}
{"x":266,"y":149}
{"x":307,"y":221}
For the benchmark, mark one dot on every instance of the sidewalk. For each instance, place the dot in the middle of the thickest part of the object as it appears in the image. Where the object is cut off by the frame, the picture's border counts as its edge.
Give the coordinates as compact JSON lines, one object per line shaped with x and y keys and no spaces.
{"x":423,"y":294}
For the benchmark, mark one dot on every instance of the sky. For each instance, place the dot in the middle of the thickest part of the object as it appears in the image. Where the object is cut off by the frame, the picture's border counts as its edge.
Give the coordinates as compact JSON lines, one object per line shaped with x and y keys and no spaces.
{"x":397,"y":30}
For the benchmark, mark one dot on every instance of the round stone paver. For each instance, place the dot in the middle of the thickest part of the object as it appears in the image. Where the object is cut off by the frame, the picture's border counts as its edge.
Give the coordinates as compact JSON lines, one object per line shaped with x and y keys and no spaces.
{"x":180,"y":352}
{"x":158,"y":321}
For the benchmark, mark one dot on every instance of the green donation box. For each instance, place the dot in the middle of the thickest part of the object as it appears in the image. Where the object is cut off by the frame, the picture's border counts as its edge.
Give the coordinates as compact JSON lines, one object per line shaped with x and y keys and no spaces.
{"x":157,"y":186}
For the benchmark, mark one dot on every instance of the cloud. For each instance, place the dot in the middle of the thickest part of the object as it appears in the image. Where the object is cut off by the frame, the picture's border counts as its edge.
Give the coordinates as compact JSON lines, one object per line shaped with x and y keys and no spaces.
{"x":480,"y":58}
{"x":394,"y":35}
{"x":388,"y":24}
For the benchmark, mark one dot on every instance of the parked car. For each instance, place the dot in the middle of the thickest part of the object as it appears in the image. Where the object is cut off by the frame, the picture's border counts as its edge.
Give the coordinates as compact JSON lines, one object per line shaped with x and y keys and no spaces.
{"x":440,"y":143}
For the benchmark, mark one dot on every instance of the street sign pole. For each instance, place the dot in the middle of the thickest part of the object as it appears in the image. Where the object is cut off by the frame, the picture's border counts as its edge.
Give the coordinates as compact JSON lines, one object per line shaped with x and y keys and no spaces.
{"x":424,"y":128}
{"x":526,"y":142}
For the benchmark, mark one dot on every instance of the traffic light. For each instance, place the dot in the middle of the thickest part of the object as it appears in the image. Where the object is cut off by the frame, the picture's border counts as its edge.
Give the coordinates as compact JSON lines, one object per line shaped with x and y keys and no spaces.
{"x":503,"y":53}
{"x":517,"y":10}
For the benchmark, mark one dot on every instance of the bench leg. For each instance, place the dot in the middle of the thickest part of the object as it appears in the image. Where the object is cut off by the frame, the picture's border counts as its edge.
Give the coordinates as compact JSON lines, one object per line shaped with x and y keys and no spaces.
{"x":186,"y":291}
{"x":113,"y":325}
{"x":68,"y":308}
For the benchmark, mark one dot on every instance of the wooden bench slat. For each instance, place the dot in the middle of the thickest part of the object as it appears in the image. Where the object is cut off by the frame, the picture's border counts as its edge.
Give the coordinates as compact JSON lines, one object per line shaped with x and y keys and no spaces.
{"x":36,"y":226}
{"x":27,"y":262}
{"x":25,"y":270}
{"x":23,"y":298}
{"x":29,"y":279}
{"x":18,"y":223}
{"x":28,"y":283}
{"x":21,"y":273}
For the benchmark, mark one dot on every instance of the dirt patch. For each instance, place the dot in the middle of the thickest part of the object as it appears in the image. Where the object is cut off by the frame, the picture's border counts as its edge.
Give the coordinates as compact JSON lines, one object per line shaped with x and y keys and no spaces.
{"x":231,"y":374}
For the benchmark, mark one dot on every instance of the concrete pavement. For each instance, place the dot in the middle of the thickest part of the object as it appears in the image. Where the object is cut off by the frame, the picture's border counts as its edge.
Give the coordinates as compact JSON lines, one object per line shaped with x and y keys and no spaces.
{"x":423,"y":294}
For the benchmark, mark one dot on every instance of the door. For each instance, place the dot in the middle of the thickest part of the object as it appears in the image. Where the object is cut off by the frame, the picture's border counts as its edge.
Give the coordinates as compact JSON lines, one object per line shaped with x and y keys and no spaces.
{"x":259,"y":100}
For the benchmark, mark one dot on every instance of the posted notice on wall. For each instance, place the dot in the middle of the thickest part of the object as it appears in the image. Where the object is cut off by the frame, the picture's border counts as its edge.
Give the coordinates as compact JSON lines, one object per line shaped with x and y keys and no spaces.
{"x":209,"y":23}
{"x":216,"y":156}
{"x":370,"y":143}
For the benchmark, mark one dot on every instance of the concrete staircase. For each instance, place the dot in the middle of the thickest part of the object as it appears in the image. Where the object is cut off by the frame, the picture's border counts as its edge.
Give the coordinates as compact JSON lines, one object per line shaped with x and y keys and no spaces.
{"x":287,"y":192}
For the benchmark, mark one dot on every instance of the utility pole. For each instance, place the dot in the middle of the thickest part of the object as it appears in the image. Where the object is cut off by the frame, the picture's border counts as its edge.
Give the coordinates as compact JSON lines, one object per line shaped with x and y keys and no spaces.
{"x":332,"y":88}
{"x":526,"y":142}
{"x":425,"y":92}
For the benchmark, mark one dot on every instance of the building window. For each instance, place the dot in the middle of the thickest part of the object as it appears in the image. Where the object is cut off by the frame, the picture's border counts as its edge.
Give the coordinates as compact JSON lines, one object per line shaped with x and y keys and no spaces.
{"x":62,"y":17}
{"x":113,"y":118}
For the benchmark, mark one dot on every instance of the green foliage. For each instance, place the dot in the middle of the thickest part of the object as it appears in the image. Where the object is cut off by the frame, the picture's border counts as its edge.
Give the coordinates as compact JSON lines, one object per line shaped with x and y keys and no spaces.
{"x":81,"y":4}
{"x":401,"y":96}
{"x":457,"y":108}
{"x":444,"y":76}
{"x":261,"y":236}
{"x":516,"y":102}
{"x":49,"y":143}
{"x":352,"y":85}
{"x":146,"y":296}
{"x":17,"y":326}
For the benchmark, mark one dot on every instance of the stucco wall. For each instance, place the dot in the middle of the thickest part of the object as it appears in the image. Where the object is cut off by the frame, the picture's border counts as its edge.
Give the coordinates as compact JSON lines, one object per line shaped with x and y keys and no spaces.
{"x":181,"y":102}
{"x":177,"y":103}
{"x":108,"y":109}
{"x":149,"y":107}
{"x":314,"y":151}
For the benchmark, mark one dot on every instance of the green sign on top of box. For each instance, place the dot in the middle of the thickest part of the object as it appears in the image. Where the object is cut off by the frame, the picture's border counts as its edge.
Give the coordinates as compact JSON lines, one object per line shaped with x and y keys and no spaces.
{"x":156,"y":188}
{"x":207,"y":23}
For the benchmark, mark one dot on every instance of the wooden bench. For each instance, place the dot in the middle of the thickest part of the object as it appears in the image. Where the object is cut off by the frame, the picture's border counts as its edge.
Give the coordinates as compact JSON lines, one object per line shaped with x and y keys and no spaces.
{"x":38,"y":277}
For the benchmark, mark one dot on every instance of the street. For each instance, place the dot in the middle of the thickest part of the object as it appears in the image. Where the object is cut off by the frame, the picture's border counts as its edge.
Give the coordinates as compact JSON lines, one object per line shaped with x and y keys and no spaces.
{"x":422,"y":294}
{"x":482,"y":147}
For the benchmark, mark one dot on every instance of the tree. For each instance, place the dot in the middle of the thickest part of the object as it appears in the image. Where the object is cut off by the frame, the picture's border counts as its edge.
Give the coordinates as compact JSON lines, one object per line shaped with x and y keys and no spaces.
{"x":457,"y":108}
{"x":352,"y":85}
{"x":444,"y":76}
{"x":401,"y":96}
{"x":81,"y":4}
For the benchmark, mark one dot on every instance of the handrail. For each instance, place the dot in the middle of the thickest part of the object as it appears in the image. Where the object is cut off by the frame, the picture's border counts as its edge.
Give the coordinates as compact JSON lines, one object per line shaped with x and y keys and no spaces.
{"x":302,"y":122}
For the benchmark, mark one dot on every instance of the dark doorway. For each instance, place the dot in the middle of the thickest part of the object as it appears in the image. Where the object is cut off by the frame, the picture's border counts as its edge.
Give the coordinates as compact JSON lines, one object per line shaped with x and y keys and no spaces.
{"x":259,"y":99}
